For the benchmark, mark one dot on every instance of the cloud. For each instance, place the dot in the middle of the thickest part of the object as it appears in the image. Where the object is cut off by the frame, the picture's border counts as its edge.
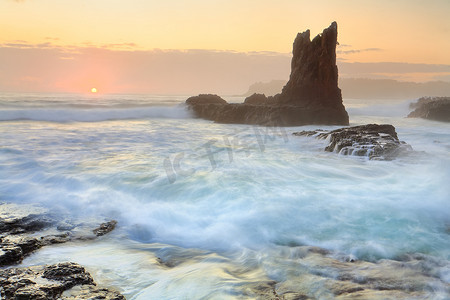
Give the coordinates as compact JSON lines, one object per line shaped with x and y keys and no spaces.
{"x":24,"y":45}
{"x":120,"y":68}
{"x":353,"y":51}
{"x":120,"y":46}
{"x":391,"y":67}
{"x":124,"y":68}
{"x":394,"y":70}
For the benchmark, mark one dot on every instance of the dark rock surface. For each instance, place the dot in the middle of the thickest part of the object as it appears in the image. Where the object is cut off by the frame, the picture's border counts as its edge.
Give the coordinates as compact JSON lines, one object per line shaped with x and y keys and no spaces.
{"x":314,"y":74}
{"x":256,"y":99}
{"x":26,"y":228}
{"x":15,"y":219}
{"x":205,"y":99}
{"x":372,"y":140}
{"x":437,"y":109}
{"x":105,"y":228}
{"x":267,"y":115}
{"x":311,"y":96}
{"x":50,"y":282}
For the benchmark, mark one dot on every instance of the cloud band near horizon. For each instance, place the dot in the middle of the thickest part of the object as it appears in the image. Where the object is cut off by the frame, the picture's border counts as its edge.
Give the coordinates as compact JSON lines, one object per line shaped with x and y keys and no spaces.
{"x":122,"y":69}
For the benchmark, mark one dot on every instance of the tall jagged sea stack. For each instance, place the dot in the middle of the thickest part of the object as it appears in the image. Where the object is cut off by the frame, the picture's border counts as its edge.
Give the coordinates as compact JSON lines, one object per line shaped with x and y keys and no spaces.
{"x":314,"y":74}
{"x":311,"y":96}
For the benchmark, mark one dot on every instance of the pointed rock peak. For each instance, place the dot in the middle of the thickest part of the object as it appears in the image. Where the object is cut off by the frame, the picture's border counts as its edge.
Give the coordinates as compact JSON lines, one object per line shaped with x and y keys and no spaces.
{"x":314,"y":74}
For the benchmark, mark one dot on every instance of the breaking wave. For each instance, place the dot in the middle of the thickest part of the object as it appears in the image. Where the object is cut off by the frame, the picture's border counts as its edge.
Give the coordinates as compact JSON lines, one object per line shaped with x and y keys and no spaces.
{"x":95,"y":114}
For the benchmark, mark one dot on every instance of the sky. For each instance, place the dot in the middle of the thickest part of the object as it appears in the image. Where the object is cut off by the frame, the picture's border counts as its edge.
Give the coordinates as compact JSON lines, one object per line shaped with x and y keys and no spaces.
{"x":220,"y":46}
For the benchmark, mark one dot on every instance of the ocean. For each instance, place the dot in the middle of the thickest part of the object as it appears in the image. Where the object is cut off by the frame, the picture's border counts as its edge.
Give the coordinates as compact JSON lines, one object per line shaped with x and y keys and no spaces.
{"x":206,"y":210}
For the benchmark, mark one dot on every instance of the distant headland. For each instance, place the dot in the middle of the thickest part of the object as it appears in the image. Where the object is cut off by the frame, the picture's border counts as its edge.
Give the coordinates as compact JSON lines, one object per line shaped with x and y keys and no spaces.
{"x":365,"y":88}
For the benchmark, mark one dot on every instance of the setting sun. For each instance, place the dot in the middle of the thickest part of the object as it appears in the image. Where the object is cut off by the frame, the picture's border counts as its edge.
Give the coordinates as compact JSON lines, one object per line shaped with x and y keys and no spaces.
{"x":94,"y":90}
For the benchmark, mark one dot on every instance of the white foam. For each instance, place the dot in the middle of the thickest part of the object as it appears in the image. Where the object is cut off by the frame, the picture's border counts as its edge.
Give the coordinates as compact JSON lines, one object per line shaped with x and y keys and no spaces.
{"x":94,"y":114}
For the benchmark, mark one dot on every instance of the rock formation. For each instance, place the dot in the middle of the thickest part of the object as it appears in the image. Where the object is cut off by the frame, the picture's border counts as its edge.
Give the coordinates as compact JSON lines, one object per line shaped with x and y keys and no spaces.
{"x":311,"y":95}
{"x":60,"y":281}
{"x":314,"y":74}
{"x":21,"y":231}
{"x":205,"y":99}
{"x":437,"y":109}
{"x":373,"y":141}
{"x":26,"y":228}
{"x":256,"y":99}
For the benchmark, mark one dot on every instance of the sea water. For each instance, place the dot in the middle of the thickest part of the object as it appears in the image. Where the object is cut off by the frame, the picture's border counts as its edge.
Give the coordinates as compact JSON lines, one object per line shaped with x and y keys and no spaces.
{"x":223,"y":203}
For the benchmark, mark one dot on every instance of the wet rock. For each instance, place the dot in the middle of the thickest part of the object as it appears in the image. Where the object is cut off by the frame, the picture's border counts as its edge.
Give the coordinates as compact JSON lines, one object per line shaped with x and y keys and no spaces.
{"x":15,"y":218}
{"x":21,"y":231}
{"x":91,"y":292}
{"x":319,"y":275}
{"x":268,"y":115}
{"x":373,"y":141}
{"x":311,"y":96}
{"x":105,"y":228}
{"x":10,"y":254}
{"x":261,"y":290}
{"x":49,"y":282}
{"x":70,"y":274}
{"x":437,"y":109}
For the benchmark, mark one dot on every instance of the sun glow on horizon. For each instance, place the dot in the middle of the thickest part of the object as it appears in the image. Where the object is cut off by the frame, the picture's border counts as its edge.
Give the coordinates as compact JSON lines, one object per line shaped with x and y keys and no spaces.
{"x":94,"y":90}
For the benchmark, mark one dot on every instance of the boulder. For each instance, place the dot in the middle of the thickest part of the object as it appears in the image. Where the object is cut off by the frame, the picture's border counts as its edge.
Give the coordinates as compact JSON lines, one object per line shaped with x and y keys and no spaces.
{"x":373,"y":141}
{"x":311,"y":96}
{"x":436,"y":109}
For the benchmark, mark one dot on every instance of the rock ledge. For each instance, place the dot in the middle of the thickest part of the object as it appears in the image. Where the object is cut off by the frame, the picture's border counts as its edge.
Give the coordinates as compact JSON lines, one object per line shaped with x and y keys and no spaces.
{"x":373,"y":141}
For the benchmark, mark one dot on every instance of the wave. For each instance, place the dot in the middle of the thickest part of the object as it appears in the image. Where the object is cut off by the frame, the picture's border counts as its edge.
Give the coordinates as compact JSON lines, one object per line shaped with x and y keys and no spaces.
{"x":95,"y":115}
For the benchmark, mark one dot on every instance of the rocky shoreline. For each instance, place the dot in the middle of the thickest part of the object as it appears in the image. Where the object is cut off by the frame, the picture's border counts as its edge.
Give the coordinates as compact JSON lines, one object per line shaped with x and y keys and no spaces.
{"x":431,"y":108}
{"x":26,"y":228}
{"x":311,"y":272}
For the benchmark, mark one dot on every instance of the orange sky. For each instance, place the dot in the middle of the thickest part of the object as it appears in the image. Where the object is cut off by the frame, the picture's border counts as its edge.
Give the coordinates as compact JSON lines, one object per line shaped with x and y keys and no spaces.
{"x":401,"y":31}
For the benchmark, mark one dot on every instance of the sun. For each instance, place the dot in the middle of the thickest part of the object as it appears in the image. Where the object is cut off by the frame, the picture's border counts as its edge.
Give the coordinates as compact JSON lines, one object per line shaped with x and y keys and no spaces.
{"x":93,"y":90}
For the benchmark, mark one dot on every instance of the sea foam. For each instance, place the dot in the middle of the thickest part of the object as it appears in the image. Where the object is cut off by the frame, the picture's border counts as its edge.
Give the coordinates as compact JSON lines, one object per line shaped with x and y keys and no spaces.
{"x":94,"y":114}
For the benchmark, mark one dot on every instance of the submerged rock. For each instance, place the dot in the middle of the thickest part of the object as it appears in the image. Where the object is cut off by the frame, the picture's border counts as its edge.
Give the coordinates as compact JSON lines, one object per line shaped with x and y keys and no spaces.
{"x":373,"y":141}
{"x":314,"y":273}
{"x":311,"y":96}
{"x":437,"y":109}
{"x":50,"y":282}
